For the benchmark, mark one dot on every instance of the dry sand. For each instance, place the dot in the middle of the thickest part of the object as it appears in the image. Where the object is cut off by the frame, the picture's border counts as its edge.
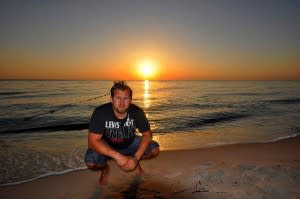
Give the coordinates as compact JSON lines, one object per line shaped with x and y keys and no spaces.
{"x":267,"y":170}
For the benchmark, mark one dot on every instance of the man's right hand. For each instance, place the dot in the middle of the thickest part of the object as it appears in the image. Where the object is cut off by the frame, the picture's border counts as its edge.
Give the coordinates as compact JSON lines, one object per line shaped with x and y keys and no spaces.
{"x":122,"y":161}
{"x":126,"y":163}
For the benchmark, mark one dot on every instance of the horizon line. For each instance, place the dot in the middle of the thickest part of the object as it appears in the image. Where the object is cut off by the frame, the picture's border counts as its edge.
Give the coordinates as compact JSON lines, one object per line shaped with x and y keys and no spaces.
{"x":149,"y":79}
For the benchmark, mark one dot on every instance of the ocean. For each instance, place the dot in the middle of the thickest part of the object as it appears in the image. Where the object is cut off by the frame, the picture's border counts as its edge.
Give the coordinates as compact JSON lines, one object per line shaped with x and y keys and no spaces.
{"x":43,"y":124}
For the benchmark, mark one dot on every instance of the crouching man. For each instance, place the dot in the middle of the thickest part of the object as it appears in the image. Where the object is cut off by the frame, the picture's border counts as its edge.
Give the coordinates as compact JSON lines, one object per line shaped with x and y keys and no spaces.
{"x":112,"y":134}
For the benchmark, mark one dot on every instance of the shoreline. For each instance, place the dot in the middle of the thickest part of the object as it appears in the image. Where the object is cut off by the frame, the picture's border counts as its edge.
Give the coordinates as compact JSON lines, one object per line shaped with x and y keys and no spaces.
{"x":59,"y":173}
{"x":254,"y":170}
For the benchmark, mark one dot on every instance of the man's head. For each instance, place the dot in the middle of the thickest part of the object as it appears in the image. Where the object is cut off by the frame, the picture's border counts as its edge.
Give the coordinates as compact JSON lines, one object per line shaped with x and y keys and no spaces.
{"x":120,"y":85}
{"x":121,"y":96}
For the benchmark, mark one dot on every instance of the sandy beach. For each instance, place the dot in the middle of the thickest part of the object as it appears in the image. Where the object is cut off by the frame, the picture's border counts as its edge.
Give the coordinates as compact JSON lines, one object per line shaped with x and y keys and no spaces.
{"x":262,"y":170}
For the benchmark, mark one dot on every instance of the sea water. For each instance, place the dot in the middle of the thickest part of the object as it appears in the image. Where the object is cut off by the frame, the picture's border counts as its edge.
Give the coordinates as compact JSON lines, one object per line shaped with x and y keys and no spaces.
{"x":43,"y":124}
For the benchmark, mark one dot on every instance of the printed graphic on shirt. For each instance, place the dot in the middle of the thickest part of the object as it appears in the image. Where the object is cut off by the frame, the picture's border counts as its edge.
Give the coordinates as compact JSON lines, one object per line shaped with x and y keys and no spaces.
{"x":116,"y":132}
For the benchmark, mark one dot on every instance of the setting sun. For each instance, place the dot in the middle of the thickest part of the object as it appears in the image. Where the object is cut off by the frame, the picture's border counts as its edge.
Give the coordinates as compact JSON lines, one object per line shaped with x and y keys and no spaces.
{"x":147,"y":68}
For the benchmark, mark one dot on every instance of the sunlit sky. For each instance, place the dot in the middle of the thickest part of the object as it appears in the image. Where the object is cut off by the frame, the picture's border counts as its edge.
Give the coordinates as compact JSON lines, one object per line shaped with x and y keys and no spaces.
{"x":179,"y":39}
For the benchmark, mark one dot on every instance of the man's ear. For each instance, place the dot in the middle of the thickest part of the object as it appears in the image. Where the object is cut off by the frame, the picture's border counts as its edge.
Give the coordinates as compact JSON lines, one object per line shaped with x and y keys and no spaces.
{"x":111,"y":98}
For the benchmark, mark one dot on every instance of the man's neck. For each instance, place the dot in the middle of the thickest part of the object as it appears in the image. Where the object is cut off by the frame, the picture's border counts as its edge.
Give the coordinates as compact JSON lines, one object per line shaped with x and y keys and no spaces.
{"x":120,"y":115}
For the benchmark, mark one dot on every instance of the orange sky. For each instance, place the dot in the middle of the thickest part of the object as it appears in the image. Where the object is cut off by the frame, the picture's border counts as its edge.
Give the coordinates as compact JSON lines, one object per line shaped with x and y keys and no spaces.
{"x":186,"y":40}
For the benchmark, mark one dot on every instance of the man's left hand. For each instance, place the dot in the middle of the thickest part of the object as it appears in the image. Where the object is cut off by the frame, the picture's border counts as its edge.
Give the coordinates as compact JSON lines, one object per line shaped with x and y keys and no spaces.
{"x":131,"y":164}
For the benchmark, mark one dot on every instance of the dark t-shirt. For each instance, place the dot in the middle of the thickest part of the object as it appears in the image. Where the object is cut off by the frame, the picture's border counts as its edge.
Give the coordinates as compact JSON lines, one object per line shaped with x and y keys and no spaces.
{"x":118,"y":133}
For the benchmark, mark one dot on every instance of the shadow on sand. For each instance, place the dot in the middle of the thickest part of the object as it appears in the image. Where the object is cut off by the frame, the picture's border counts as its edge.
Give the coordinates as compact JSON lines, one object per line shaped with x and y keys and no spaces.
{"x":138,"y":188}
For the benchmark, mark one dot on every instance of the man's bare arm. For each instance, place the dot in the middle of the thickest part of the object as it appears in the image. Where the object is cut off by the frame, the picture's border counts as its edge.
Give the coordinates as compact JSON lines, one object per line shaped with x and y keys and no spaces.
{"x":145,"y":141}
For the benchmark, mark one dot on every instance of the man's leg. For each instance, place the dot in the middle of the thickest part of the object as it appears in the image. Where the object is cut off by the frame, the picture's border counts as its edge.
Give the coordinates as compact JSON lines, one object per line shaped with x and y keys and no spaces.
{"x":139,"y":170}
{"x":95,"y":161}
{"x":154,"y":153}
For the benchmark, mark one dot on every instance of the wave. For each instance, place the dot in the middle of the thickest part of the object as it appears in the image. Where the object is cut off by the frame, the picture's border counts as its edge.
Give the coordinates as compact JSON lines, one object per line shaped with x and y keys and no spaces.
{"x":194,"y":122}
{"x":285,"y":101}
{"x":182,"y":106}
{"x":40,"y":95}
{"x":60,"y":127}
{"x":173,"y":123}
{"x":12,"y":93}
{"x":249,"y":94}
{"x":217,"y":144}
{"x":169,"y":88}
{"x":214,"y":118}
{"x":285,"y":137}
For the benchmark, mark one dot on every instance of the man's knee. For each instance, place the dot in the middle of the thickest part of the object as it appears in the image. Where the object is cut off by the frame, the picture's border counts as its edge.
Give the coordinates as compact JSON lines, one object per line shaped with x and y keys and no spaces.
{"x":155,"y":152}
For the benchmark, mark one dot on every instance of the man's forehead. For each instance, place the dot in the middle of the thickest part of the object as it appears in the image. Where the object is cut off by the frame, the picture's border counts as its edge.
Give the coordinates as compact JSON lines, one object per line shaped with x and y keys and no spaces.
{"x":121,"y":92}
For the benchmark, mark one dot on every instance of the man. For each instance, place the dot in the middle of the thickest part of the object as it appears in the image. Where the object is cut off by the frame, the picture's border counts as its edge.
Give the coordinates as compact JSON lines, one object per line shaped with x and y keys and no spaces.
{"x":112,"y":134}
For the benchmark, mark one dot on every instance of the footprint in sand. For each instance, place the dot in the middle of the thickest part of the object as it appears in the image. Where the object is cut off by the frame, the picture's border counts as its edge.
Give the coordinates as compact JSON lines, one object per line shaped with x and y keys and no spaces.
{"x":244,"y":168}
{"x":268,"y":192}
{"x":235,"y":183}
{"x":212,"y":177}
{"x":250,"y":179}
{"x":269,"y":172}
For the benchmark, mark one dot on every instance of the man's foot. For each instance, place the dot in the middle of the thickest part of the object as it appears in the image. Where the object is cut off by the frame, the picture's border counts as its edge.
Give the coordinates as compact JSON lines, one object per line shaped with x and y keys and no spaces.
{"x":104,"y":175}
{"x":139,"y":170}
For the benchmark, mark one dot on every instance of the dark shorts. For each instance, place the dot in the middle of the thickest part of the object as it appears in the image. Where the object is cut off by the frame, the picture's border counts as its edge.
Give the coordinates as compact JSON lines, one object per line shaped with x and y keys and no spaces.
{"x":96,"y":158}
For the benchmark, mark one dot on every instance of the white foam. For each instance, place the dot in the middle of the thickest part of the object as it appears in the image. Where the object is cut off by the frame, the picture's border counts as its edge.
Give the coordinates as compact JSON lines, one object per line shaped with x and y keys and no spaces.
{"x":53,"y":173}
{"x":216,"y":144}
{"x":285,"y":137}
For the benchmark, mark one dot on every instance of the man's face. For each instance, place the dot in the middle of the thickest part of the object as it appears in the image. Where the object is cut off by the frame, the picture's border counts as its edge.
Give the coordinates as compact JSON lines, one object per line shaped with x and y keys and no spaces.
{"x":121,"y":101}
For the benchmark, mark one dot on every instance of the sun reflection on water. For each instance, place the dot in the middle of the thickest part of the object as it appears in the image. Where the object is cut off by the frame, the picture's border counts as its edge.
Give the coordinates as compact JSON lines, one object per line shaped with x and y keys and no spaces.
{"x":147,"y":102}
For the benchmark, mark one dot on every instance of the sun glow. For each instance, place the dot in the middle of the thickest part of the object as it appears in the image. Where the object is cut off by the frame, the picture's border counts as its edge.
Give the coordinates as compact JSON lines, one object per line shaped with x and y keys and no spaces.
{"x":146,"y":68}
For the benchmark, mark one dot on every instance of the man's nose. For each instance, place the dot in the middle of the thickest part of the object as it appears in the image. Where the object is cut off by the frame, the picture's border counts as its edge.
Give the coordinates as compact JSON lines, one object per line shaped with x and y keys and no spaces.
{"x":122,"y":101}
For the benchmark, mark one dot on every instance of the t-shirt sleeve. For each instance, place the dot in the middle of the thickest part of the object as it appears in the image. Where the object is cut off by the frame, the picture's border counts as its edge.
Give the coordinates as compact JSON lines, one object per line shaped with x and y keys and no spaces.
{"x":96,"y":124}
{"x":142,"y":121}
